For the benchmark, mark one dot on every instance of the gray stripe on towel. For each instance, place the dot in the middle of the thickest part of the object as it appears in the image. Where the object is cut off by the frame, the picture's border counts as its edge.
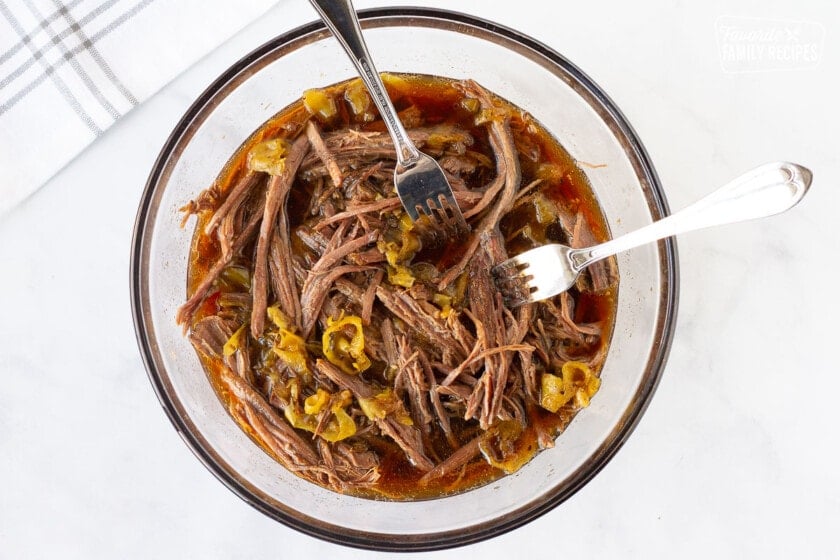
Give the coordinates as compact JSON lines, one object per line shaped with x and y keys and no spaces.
{"x":11,"y":102}
{"x":50,"y":71}
{"x":74,"y":64}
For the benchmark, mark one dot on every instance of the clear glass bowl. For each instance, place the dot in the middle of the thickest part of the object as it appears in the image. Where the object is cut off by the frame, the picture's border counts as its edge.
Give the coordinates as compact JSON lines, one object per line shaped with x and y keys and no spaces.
{"x":526,"y":73}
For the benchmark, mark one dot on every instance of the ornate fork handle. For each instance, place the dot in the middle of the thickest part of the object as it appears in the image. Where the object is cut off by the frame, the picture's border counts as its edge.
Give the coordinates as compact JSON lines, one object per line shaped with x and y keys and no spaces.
{"x":764,"y":191}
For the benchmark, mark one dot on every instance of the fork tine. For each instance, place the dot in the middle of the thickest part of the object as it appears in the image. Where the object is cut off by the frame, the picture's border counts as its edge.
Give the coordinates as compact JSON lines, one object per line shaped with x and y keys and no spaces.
{"x":516,"y":301}
{"x":449,"y":215}
{"x":451,"y":205}
{"x":423,"y":209}
{"x":439,"y":211}
{"x":505,"y":270}
{"x":412,"y":211}
{"x":513,"y":282}
{"x":423,"y":185}
{"x":517,"y":294}
{"x":443,"y":218}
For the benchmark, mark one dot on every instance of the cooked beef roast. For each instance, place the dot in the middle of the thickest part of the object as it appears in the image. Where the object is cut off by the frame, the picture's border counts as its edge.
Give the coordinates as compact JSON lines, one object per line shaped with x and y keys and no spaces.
{"x":373,"y":355}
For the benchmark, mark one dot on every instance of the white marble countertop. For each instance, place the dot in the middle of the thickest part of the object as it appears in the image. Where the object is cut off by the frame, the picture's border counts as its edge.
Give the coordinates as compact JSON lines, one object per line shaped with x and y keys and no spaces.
{"x":737,"y":456}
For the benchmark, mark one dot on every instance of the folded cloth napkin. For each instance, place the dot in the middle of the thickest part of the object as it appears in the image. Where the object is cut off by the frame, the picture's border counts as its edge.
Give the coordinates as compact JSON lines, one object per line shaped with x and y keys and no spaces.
{"x":70,"y":68}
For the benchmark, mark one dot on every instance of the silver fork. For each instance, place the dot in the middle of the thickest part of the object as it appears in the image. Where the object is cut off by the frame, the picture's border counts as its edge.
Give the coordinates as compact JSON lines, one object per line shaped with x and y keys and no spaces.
{"x":551,"y":269}
{"x":419,"y":180}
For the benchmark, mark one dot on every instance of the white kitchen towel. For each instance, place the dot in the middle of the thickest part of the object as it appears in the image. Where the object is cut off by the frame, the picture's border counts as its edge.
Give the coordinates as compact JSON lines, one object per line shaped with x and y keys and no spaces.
{"x":70,"y":68}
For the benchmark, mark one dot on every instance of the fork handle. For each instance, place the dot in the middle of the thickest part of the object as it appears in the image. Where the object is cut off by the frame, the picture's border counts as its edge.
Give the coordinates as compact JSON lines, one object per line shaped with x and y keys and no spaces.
{"x":340,"y":17}
{"x":766,"y":190}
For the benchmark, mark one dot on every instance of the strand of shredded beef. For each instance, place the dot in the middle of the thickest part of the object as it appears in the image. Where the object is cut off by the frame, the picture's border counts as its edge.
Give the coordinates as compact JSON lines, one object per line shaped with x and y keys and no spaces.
{"x":315,"y":291}
{"x":275,"y":201}
{"x":370,"y":296}
{"x":317,"y":141}
{"x":333,"y":257}
{"x":500,"y":129}
{"x":238,"y":193}
{"x":458,"y":459}
{"x":280,"y":265}
{"x":186,"y":311}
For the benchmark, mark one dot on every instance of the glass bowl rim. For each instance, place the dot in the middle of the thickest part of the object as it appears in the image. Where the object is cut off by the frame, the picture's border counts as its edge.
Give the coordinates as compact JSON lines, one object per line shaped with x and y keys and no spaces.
{"x":666,"y":320}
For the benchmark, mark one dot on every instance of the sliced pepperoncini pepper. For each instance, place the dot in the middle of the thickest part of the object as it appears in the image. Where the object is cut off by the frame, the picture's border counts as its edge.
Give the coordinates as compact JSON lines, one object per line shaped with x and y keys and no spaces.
{"x":289,"y":346}
{"x":234,"y":342}
{"x":337,"y":428}
{"x":269,"y":156}
{"x":503,"y":446}
{"x":346,"y":353}
{"x":319,"y":102}
{"x":384,"y":403}
{"x":577,"y":382}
